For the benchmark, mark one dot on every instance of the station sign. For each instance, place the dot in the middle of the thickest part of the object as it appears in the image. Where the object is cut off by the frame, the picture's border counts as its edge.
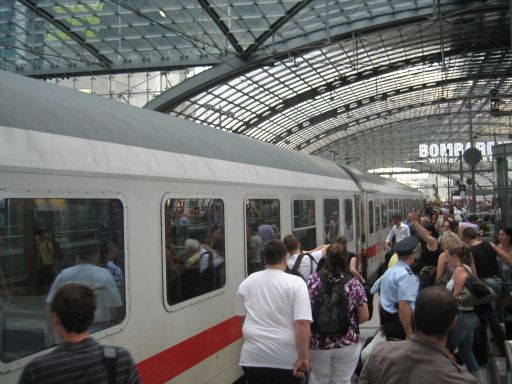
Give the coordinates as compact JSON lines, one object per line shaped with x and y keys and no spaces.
{"x":449,"y":152}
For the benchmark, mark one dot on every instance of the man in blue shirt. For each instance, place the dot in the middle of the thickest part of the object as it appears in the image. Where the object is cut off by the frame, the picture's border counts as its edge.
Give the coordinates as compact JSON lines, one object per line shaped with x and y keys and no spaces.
{"x":398,"y":290}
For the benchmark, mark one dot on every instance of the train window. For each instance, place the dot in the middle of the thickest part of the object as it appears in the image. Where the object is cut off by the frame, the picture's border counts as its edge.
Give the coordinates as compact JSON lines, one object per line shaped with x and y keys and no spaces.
{"x":46,"y":243}
{"x":377,"y":215}
{"x":383,"y":213}
{"x":358,"y":217}
{"x":331,"y":220}
{"x":304,"y":225}
{"x":262,"y":223}
{"x":370,"y":216}
{"x":391,"y":211}
{"x":349,"y":231}
{"x":194,"y":247}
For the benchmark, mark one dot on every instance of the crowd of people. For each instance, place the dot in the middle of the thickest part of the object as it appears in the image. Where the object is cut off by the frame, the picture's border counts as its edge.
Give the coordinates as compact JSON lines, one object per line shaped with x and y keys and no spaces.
{"x":427,"y":327}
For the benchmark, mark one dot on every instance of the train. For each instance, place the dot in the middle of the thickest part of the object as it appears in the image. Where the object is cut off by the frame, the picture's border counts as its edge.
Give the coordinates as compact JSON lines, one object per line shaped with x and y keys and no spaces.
{"x":181,"y":210}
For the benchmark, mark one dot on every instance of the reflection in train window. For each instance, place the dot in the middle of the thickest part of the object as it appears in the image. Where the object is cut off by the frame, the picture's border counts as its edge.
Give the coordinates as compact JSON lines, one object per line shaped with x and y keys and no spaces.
{"x":262,"y":223}
{"x":377,"y":215}
{"x":384,"y":213}
{"x":331,"y":220}
{"x":45,"y":244}
{"x":304,"y":226}
{"x":349,"y":231}
{"x":370,"y":216}
{"x":358,"y":216}
{"x":194,"y":247}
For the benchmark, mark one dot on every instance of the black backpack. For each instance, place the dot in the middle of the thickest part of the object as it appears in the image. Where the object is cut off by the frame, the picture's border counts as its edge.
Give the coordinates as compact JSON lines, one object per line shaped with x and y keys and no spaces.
{"x":330,"y":308}
{"x":295,"y":269}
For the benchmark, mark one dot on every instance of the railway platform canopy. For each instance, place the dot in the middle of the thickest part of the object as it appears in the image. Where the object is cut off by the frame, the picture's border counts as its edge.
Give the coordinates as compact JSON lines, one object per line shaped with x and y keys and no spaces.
{"x":377,"y":84}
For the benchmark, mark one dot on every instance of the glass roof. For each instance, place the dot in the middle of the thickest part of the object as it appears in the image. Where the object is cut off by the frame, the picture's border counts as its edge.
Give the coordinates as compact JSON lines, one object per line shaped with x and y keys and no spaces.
{"x":366,"y":81}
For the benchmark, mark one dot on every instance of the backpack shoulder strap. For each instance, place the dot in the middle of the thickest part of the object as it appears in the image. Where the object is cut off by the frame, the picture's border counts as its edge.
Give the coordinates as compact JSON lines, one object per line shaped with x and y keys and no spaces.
{"x":297,"y":263}
{"x":109,"y":357}
{"x":312,"y":260}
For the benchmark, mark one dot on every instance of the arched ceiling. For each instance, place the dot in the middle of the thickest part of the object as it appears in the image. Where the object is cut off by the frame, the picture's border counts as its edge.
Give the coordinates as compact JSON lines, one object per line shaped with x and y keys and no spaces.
{"x":363,"y":81}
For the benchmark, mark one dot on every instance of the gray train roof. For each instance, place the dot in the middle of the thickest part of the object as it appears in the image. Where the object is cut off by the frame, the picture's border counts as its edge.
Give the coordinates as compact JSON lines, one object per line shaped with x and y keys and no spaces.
{"x":372,"y":182}
{"x":40,"y":106}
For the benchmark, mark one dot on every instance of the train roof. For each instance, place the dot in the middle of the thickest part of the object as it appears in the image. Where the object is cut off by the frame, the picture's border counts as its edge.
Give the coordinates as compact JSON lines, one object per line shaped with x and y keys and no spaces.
{"x":371,"y":182}
{"x":41,"y":106}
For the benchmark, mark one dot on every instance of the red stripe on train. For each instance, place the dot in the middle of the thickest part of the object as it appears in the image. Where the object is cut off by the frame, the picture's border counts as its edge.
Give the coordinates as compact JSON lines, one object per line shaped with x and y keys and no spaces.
{"x":168,"y":364}
{"x":372,"y":251}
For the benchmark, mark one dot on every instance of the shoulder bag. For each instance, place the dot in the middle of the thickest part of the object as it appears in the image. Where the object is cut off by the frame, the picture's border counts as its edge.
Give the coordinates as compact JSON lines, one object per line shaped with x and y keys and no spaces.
{"x":475,"y":292}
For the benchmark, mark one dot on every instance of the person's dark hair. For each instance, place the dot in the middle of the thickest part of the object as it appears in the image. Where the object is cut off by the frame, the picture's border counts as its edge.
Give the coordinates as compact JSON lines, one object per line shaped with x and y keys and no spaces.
{"x":335,"y":261}
{"x":342,"y":240}
{"x":75,"y":305}
{"x":472,"y":218}
{"x":291,"y":243}
{"x":508,"y":232}
{"x":274,"y":252}
{"x":451,"y":224}
{"x":463,"y":253}
{"x":469,"y":233}
{"x":397,"y":217}
{"x":435,"y":310}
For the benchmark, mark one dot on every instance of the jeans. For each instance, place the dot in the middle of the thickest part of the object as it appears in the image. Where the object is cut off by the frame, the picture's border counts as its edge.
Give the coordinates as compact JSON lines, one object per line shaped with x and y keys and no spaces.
{"x":462,"y":337}
{"x":492,"y":317}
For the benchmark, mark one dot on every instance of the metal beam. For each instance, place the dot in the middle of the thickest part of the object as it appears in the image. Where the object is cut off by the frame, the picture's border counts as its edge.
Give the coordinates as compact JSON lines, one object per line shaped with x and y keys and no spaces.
{"x":347,"y":108}
{"x":332,"y":145}
{"x":104,"y":61}
{"x":276,"y":26}
{"x":221,"y":25}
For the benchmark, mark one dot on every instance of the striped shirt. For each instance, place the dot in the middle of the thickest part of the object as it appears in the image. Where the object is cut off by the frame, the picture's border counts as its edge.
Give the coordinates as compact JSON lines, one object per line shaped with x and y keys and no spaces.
{"x":78,"y":363}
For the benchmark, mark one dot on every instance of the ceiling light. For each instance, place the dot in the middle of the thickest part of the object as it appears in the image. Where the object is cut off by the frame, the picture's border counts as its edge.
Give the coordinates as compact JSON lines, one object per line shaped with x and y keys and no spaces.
{"x":162,"y":13}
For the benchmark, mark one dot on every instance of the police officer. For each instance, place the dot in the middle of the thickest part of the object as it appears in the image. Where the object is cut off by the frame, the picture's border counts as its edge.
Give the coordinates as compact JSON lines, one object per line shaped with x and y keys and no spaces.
{"x":398,"y":290}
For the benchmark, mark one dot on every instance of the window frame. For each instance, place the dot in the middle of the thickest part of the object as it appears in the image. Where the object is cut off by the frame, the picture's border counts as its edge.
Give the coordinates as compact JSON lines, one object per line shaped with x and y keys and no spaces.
{"x":9,"y":193}
{"x":257,"y":197}
{"x":205,"y":296}
{"x":324,"y":198}
{"x":292,"y":217}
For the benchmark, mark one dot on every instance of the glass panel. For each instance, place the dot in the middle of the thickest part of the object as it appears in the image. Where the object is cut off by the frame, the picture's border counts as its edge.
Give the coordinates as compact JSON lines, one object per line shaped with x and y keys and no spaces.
{"x":349,"y":230}
{"x":384,"y":213}
{"x":45,"y":244}
{"x":358,"y":217}
{"x":370,"y":216}
{"x":377,"y":215}
{"x":262,"y":223}
{"x":194,"y":240}
{"x":391,"y":211}
{"x":331,"y":220}
{"x":304,"y":228}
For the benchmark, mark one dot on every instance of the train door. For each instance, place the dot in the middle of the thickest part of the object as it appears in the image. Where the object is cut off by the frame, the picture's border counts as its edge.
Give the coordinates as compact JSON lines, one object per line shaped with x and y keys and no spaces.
{"x":331,"y":220}
{"x":370,"y":228}
{"x":348,"y":223}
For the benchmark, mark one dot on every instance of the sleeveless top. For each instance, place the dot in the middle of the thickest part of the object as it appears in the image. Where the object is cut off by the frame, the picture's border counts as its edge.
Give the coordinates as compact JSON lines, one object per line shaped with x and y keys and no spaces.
{"x":485,"y":260}
{"x":450,"y":285}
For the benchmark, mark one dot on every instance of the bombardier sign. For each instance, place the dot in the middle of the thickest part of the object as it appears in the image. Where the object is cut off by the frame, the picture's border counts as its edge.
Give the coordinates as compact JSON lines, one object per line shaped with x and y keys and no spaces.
{"x":449,"y":152}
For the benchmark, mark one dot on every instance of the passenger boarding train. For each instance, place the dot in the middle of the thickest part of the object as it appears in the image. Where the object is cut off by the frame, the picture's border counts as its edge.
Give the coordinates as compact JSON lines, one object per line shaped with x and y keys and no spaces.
{"x":180,"y":210}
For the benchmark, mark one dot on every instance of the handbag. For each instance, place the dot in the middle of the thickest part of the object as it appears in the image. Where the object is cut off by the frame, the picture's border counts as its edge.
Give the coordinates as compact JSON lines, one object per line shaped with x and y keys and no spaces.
{"x":476,"y":292}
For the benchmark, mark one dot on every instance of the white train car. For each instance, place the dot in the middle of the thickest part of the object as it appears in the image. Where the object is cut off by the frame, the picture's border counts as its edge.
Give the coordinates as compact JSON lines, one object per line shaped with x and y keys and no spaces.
{"x":129,"y":186}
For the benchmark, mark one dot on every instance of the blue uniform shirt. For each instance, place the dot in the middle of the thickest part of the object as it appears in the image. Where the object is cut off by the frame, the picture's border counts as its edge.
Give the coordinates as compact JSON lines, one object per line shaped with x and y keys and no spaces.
{"x":398,"y":284}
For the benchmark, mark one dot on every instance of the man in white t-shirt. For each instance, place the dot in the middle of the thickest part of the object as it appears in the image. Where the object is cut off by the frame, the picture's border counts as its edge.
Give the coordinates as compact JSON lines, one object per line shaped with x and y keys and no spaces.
{"x":308,"y":264}
{"x":276,"y":317}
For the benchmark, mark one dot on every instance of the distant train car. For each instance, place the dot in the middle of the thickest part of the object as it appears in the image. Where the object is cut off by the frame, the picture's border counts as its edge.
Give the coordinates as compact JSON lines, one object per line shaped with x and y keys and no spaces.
{"x":178,"y":212}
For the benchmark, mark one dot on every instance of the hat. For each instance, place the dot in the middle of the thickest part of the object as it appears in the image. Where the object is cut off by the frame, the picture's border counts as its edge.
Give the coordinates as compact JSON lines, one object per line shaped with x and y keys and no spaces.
{"x":406,"y":246}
